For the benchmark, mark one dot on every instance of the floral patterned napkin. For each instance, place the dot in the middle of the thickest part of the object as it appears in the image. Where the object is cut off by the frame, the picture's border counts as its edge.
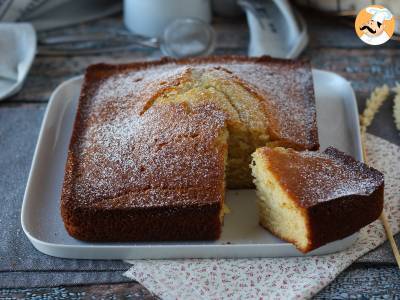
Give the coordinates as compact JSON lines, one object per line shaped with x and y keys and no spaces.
{"x":273,"y":278}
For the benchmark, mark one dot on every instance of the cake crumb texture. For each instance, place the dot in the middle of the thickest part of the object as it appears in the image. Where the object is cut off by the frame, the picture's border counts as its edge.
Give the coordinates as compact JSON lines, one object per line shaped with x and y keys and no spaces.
{"x":155,"y":144}
{"x":312,"y":198}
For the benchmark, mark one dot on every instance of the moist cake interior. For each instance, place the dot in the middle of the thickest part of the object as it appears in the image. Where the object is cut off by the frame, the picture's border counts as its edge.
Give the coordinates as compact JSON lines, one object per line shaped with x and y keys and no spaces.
{"x":312,"y":198}
{"x":277,"y":212}
{"x":245,"y":115}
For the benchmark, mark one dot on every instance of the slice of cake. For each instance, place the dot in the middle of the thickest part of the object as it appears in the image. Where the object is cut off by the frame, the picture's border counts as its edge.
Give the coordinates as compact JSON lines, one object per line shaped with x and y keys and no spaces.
{"x":155,"y":144}
{"x":312,"y":198}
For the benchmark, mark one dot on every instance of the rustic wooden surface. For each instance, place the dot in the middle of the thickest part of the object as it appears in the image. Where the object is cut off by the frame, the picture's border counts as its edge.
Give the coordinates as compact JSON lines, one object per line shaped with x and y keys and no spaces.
{"x":333,"y":46}
{"x":382,"y":282}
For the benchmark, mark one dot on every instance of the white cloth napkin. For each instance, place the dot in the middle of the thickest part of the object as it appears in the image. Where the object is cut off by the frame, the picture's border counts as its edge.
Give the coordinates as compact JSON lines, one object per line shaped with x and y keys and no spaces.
{"x":273,"y":278}
{"x":17,"y":50}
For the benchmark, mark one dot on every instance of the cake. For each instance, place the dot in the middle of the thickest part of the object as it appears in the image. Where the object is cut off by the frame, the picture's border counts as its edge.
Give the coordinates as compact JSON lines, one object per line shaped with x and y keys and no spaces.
{"x":155,"y":144}
{"x":313,"y":198}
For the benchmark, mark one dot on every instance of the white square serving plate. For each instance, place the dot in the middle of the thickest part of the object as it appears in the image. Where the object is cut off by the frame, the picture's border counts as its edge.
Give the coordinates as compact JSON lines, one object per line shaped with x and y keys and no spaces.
{"x":242,"y":236}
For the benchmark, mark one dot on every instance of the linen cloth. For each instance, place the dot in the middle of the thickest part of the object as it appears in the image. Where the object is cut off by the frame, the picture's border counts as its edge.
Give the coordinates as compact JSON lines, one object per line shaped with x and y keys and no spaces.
{"x":274,"y":278}
{"x":17,"y":51}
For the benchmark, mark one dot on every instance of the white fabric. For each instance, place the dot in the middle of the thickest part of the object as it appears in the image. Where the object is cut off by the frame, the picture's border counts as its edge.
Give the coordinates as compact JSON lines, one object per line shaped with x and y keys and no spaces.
{"x":379,"y":14}
{"x":273,"y":278}
{"x":375,"y":40}
{"x":17,"y":50}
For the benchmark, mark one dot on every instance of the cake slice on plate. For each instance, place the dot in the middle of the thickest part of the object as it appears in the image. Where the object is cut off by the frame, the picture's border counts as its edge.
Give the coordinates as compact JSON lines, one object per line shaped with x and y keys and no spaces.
{"x":313,"y":198}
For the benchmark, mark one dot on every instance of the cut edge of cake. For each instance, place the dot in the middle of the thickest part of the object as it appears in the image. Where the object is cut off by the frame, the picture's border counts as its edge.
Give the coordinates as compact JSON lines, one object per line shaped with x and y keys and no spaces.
{"x":87,"y":223}
{"x":310,"y":226}
{"x":271,"y":198}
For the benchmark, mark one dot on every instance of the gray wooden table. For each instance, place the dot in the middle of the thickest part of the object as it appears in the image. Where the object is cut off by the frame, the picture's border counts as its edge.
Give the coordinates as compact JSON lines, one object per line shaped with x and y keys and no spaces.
{"x":333,"y":46}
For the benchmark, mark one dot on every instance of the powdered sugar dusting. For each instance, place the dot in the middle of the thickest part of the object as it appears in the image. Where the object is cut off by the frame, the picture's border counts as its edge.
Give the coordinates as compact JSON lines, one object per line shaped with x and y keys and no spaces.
{"x":314,"y":177}
{"x":123,"y":144}
{"x":289,"y":93}
{"x":170,"y":147}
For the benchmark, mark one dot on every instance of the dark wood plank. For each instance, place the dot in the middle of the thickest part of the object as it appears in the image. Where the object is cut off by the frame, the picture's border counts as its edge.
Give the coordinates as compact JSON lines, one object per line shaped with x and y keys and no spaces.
{"x":363,"y":281}
{"x":365,"y":69}
{"x":130,"y":290}
{"x":360,"y":281}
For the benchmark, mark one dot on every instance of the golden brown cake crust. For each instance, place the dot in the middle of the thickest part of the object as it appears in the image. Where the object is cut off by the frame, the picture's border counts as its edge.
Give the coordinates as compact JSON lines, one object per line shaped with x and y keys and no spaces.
{"x":162,"y":178}
{"x":286,"y":87}
{"x":135,"y":173}
{"x":337,"y":194}
{"x":311,"y":178}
